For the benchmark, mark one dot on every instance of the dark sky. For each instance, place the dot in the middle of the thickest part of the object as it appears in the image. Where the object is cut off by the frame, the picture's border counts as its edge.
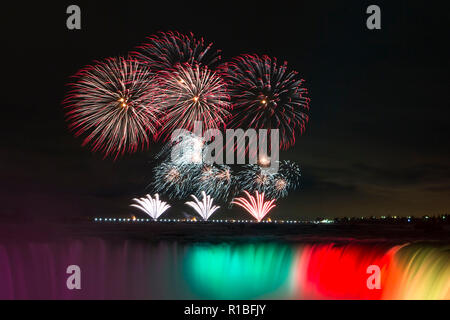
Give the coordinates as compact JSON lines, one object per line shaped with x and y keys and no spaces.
{"x":377,"y":142}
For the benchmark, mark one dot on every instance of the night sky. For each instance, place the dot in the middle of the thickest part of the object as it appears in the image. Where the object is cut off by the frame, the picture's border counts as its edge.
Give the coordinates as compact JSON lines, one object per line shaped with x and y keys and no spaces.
{"x":376,"y":144}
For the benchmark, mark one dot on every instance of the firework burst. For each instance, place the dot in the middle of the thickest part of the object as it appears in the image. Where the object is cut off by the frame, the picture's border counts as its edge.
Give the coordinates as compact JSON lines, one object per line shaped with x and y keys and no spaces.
{"x":255,"y":178}
{"x":151,"y":206}
{"x":216,"y":180}
{"x":175,"y":181}
{"x":256,"y":206}
{"x":275,"y":185}
{"x":111,"y":105}
{"x":186,"y":148}
{"x":291,"y":172}
{"x":205,"y":207}
{"x":169,"y":49}
{"x":190,"y":94}
{"x":266,"y":95}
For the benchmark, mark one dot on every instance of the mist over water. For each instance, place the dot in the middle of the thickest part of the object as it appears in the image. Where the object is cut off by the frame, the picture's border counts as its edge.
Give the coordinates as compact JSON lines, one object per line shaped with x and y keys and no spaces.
{"x":132,"y":269}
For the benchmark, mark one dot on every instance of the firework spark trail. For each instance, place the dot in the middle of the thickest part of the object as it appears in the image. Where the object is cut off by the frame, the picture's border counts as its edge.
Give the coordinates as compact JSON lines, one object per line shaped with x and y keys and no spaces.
{"x":216,"y":180}
{"x":266,"y":95}
{"x":192,"y":93}
{"x":169,"y":49}
{"x":153,"y":207}
{"x":256,"y":206}
{"x":111,"y":104}
{"x":205,"y":207}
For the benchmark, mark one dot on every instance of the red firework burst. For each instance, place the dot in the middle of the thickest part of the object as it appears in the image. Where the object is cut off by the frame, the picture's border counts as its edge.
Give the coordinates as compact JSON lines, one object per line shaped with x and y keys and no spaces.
{"x":111,"y":105}
{"x":265,"y":95}
{"x":192,"y":93}
{"x":256,"y":206}
{"x":169,"y":49}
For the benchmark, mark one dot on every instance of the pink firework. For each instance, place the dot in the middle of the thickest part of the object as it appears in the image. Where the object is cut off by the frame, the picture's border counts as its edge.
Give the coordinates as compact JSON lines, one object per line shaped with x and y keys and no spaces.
{"x":265,"y":95}
{"x":112,"y":105}
{"x":256,"y":206}
{"x":169,"y":49}
{"x":192,"y":93}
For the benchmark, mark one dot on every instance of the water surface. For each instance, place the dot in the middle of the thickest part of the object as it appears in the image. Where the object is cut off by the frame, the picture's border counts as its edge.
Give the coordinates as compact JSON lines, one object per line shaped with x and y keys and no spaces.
{"x":251,"y":269}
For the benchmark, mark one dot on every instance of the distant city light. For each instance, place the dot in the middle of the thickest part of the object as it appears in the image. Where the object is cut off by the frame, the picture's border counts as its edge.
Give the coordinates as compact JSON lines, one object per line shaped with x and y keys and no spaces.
{"x":268,"y":220}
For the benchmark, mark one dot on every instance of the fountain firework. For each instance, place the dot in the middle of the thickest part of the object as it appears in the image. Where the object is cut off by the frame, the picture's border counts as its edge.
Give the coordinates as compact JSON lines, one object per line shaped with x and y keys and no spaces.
{"x":205,"y":207}
{"x":256,"y":206}
{"x":154,"y":207}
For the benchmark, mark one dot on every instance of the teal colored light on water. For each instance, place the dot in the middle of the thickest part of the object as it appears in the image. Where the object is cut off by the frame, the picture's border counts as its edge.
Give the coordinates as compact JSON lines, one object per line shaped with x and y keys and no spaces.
{"x":239,"y":271}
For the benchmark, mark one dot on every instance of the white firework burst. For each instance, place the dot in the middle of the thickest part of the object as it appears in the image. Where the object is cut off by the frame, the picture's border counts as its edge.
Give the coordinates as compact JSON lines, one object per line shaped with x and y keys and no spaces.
{"x":154,"y":207}
{"x":205,"y":207}
{"x":187,"y":148}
